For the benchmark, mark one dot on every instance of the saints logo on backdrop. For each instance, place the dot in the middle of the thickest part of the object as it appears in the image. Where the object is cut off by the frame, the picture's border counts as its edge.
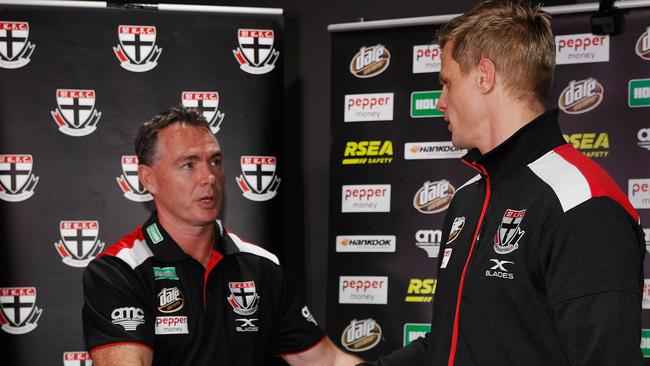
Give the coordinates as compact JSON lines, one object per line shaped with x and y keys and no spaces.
{"x":15,"y":48}
{"x":130,"y":183}
{"x":258,"y":180}
{"x":208,"y":103}
{"x":255,"y":53}
{"x":17,"y":181}
{"x":75,"y":114}
{"x":137,"y":50}
{"x":79,"y":358}
{"x":79,"y":243}
{"x":18,"y":311}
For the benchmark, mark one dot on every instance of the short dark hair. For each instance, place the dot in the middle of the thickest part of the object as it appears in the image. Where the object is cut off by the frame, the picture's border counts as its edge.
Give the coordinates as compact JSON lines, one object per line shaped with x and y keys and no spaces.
{"x":146,"y":142}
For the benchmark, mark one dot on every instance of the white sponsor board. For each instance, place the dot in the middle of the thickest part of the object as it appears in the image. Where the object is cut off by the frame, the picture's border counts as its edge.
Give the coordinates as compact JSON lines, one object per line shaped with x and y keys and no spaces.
{"x":363,"y":290}
{"x":432,"y":150}
{"x":171,"y":325}
{"x":426,"y":58}
{"x":365,"y":198}
{"x":365,"y":243}
{"x":581,"y":49}
{"x":368,"y":107}
{"x":639,"y":192}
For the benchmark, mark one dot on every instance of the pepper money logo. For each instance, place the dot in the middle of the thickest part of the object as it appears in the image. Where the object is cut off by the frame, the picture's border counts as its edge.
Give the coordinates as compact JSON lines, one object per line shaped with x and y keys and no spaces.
{"x":591,"y":144}
{"x":368,"y":152}
{"x":79,"y":243}
{"x":421,"y":290}
{"x":79,"y":358}
{"x":581,"y":96}
{"x":17,"y":182}
{"x":255,"y":53}
{"x":433,"y":197}
{"x":361,"y":335}
{"x":368,"y":107}
{"x":258,"y":180}
{"x":130,"y":183}
{"x":363,"y":290}
{"x":370,"y":61}
{"x":642,"y":47}
{"x":426,"y":58}
{"x":75,"y":113}
{"x":208,"y":103}
{"x":18,"y":311}
{"x":137,"y":50}
{"x":581,"y":49}
{"x":638,"y":192}
{"x":365,"y":198}
{"x":15,"y":48}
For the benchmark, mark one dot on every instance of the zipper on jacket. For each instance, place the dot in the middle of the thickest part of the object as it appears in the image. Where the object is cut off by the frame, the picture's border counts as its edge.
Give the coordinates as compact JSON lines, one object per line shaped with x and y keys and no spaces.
{"x":486,"y":200}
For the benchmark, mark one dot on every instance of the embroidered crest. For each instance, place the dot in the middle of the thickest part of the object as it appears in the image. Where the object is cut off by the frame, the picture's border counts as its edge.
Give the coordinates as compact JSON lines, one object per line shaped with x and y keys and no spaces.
{"x":509,"y":233}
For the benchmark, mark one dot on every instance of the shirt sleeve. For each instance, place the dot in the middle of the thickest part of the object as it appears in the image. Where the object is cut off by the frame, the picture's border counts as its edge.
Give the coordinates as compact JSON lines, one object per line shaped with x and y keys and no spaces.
{"x":594,"y":279}
{"x":114,"y":309}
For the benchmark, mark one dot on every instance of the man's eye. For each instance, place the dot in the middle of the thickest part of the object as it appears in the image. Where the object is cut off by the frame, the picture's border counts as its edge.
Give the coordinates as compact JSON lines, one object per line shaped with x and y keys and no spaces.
{"x":216,"y":162}
{"x":187,"y":166}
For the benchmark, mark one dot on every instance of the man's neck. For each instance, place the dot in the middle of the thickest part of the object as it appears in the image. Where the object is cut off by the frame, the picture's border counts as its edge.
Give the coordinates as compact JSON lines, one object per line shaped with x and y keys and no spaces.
{"x":195,"y":241}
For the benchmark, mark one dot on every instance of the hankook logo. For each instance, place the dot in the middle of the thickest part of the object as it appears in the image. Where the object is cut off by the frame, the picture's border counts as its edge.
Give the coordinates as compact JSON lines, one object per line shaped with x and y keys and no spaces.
{"x":432,"y":150}
{"x":433,"y":197}
{"x":365,"y":243}
{"x":370,"y":61}
{"x":581,"y":96}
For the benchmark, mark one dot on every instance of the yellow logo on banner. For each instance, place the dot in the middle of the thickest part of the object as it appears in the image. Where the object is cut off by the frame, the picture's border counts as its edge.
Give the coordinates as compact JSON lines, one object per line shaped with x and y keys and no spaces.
{"x":421,"y":290}
{"x":593,"y":145}
{"x":368,"y":152}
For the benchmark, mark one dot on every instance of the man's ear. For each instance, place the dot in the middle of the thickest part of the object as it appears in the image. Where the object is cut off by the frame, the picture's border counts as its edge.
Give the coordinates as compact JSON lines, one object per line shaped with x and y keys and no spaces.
{"x":486,"y":79}
{"x":147,"y":178}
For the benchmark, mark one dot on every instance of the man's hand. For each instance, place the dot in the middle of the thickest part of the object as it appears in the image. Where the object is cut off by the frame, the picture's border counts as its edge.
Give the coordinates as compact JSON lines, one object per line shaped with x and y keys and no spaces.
{"x":324,"y":353}
{"x":131,"y":354}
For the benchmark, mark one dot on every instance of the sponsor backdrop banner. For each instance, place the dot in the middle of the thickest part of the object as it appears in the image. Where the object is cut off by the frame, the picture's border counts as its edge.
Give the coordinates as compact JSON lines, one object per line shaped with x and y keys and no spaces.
{"x":76,"y":85}
{"x":395,"y":170}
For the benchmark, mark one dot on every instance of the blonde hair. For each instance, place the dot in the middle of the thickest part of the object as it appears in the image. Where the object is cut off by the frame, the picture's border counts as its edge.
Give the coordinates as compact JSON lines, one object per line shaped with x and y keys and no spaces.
{"x":515,"y":35}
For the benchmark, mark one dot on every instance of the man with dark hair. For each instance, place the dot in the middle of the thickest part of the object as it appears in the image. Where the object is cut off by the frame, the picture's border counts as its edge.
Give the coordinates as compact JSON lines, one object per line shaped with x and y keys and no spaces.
{"x":543,"y":256}
{"x":181,"y":290}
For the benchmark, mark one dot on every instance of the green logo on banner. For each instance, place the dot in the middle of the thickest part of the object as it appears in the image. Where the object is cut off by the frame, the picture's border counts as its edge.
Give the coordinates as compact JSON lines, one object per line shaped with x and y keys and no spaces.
{"x":423,"y":104}
{"x":413,"y":331}
{"x":154,"y":233}
{"x":639,"y":93}
{"x":164,"y":273}
{"x":645,"y":342}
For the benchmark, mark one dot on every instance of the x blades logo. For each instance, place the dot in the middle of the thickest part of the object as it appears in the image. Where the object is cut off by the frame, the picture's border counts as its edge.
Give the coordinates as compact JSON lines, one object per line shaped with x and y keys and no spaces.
{"x":421,"y":290}
{"x":18,"y":311}
{"x":137,"y":51}
{"x":79,"y":243}
{"x":255,"y":53}
{"x":247,"y":325}
{"x":15,"y":48}
{"x":17,"y":182}
{"x":75,"y":113}
{"x":129,"y":182}
{"x":207,"y":103}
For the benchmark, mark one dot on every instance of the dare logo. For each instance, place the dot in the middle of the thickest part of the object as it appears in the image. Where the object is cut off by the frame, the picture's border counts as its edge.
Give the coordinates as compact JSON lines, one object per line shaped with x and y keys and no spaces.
{"x":581,"y":96}
{"x":368,"y":152}
{"x":361,"y":335}
{"x":433,"y":197}
{"x":642,"y":47}
{"x":421,"y":290}
{"x":370,"y":61}
{"x":591,"y":144}
{"x":15,"y":48}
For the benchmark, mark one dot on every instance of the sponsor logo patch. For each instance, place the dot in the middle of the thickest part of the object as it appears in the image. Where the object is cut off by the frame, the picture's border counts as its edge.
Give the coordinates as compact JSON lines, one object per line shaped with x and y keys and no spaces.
{"x":432,"y":150}
{"x":164,"y":273}
{"x":243,"y":298}
{"x":170,"y":300}
{"x":363,"y":290}
{"x":258,"y":181}
{"x":509,"y":233}
{"x":154,"y":234}
{"x":368,"y":107}
{"x":365,"y":198}
{"x":429,"y":241}
{"x":137,"y":50}
{"x":646,"y":232}
{"x":639,"y":93}
{"x":644,"y":138}
{"x":18,"y":311}
{"x":171,"y":325}
{"x":17,"y":182}
{"x":128,"y":317}
{"x":361,"y":335}
{"x":247,"y":325}
{"x":591,"y":144}
{"x":638,"y":192}
{"x":80,"y":358}
{"x":370,"y":61}
{"x":421,"y":290}
{"x":433,"y":197}
{"x":456,"y":227}
{"x":642,"y":47}
{"x":646,"y":294}
{"x":15,"y":48}
{"x":255,"y":53}
{"x":581,"y":49}
{"x":445,"y":257}
{"x":581,"y":96}
{"x":76,"y":114}
{"x":645,"y":342}
{"x":129,"y":182}
{"x":365,"y":243}
{"x":368,"y":152}
{"x":208,"y":103}
{"x":498,"y":269}
{"x":426,"y":58}
{"x":413,"y":331}
{"x":423,"y":104}
{"x":307,"y":315}
{"x":79,"y":242}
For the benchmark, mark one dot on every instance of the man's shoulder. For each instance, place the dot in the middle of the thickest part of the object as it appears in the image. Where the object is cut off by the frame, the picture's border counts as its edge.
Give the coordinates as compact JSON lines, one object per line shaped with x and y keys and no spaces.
{"x":131,"y":249}
{"x":252,"y":249}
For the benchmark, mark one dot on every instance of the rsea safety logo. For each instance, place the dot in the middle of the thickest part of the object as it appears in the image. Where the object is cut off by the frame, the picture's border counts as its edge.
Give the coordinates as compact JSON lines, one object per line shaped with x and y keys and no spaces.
{"x":413,"y":331}
{"x":591,"y":144}
{"x":368,"y":152}
{"x":370,"y":61}
{"x":17,"y":181}
{"x":255,"y":53}
{"x":423,"y":104}
{"x":426,"y":58}
{"x":581,"y":96}
{"x":645,"y":342}
{"x":646,"y":294}
{"x":137,"y":50}
{"x":18,"y":311}
{"x":421,"y":290}
{"x":363,"y":290}
{"x":207,"y":102}
{"x":639,"y":93}
{"x":644,"y":138}
{"x":368,"y":107}
{"x":429,"y":241}
{"x":642,"y":46}
{"x":433,"y":197}
{"x":432,"y":150}
{"x":75,"y":114}
{"x":79,"y":358}
{"x":361,"y":335}
{"x":15,"y":48}
{"x":581,"y":49}
{"x":365,"y":243}
{"x":365,"y":198}
{"x":129,"y":182}
{"x":79,"y":242}
{"x":638,"y":192}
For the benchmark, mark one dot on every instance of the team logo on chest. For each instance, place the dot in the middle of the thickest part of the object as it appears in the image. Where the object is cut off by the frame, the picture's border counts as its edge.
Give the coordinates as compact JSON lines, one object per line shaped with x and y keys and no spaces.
{"x":243,"y":298}
{"x":78,"y":244}
{"x":75,"y":113}
{"x":208,"y":103}
{"x":19,"y":313}
{"x":456,"y":227}
{"x":258,"y":181}
{"x":17,"y":182}
{"x":15,"y":49}
{"x":255,"y":53}
{"x":130,"y":183}
{"x":509,"y":233}
{"x":137,"y":51}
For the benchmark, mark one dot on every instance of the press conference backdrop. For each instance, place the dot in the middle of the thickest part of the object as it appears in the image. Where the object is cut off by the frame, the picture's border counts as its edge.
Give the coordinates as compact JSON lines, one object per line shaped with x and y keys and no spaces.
{"x":75,"y":85}
{"x":394,"y":170}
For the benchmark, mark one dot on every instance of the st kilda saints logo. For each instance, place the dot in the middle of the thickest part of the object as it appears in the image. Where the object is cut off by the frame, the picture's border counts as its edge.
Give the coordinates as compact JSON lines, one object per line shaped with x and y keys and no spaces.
{"x":77,"y":359}
{"x":581,"y":96}
{"x":137,"y":51}
{"x":79,"y":243}
{"x":509,"y":233}
{"x":18,"y":311}
{"x":258,"y":180}
{"x":130,"y":183}
{"x":15,"y":48}
{"x":255,"y":53}
{"x":17,"y":181}
{"x":243,"y":298}
{"x":208,"y":103}
{"x":370,"y":61}
{"x":75,"y":114}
